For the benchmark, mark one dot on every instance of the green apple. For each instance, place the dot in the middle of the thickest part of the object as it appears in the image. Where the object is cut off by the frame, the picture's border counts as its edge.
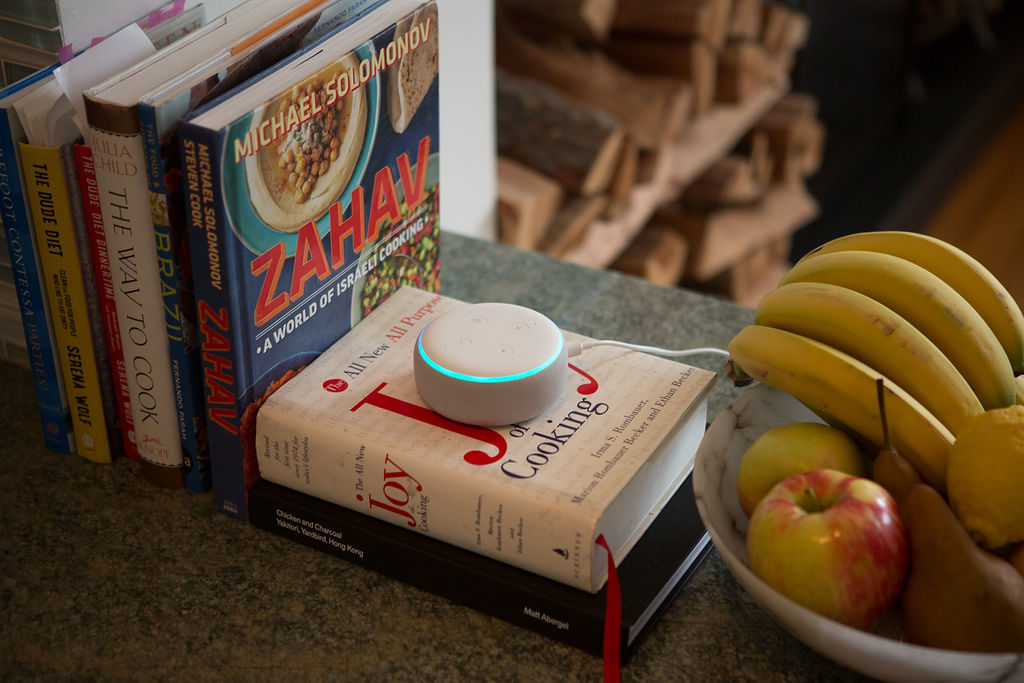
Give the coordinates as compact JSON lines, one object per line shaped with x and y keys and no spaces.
{"x":790,"y":449}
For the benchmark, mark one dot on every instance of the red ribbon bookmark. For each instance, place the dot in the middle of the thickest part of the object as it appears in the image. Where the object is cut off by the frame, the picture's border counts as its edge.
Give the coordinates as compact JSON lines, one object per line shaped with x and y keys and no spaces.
{"x":612,"y":619}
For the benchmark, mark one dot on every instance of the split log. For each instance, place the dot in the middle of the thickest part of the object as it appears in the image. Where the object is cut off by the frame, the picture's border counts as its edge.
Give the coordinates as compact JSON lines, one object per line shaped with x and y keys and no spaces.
{"x":707,"y":20}
{"x":689,"y":59}
{"x":743,"y":69}
{"x":720,"y":239}
{"x":784,"y":31}
{"x":795,"y":137}
{"x":747,"y":281}
{"x":586,"y":20}
{"x":625,"y":179}
{"x":726,"y":183}
{"x":745,"y":20}
{"x":658,"y":254}
{"x":577,"y":145}
{"x":570,"y":224}
{"x":527,"y":202}
{"x":759,"y":151}
{"x":648,"y":108}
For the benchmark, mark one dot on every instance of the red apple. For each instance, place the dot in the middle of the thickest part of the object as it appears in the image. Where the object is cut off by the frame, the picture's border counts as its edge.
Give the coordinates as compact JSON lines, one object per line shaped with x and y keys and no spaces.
{"x":833,"y":542}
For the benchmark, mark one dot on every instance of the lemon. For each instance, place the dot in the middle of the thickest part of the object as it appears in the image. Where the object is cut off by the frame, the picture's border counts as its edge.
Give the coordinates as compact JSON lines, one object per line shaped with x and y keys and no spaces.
{"x":985,"y":476}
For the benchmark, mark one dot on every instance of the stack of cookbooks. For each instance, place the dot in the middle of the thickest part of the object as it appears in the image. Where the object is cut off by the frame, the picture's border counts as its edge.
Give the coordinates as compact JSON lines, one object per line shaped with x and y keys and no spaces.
{"x":520,"y":521}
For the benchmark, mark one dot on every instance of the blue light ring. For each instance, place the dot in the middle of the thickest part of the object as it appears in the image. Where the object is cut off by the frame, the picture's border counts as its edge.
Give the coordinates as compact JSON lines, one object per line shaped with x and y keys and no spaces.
{"x":481,"y":379}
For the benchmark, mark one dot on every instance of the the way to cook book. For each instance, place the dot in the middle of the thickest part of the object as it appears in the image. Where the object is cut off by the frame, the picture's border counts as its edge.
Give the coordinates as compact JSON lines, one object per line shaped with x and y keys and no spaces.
{"x":351,"y":429}
{"x":307,"y":205}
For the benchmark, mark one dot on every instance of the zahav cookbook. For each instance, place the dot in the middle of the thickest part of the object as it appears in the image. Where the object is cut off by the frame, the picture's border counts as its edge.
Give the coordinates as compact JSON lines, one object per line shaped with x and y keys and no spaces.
{"x":351,"y":429}
{"x":308,"y":203}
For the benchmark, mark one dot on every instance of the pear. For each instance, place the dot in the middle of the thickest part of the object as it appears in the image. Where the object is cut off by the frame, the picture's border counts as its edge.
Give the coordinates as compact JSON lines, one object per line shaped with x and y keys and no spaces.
{"x":957,"y":596}
{"x":895,"y":473}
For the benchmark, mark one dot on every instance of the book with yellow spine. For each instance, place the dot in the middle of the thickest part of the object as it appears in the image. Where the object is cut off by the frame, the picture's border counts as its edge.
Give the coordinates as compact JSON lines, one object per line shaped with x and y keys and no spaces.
{"x":46,"y":189}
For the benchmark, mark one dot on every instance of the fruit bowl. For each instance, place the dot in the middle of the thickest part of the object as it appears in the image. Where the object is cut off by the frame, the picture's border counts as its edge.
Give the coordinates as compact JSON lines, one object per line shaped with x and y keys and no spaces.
{"x":878,"y":653}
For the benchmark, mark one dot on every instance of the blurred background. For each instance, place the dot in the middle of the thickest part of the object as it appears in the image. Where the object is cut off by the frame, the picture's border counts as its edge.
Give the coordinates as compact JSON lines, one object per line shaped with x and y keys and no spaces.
{"x":698,"y":143}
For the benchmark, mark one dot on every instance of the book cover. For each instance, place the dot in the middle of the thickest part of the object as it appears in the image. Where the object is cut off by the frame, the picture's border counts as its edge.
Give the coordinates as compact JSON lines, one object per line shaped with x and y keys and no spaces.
{"x":44,"y":359}
{"x":51,"y":215}
{"x":110,"y":398}
{"x":160,"y":108}
{"x":651,"y":576}
{"x":306,"y":209}
{"x":94,"y":248}
{"x":352,"y":429}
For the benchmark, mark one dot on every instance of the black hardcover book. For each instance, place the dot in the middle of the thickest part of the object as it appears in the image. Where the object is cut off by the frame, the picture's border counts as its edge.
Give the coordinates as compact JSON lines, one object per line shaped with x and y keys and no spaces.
{"x":660,"y":563}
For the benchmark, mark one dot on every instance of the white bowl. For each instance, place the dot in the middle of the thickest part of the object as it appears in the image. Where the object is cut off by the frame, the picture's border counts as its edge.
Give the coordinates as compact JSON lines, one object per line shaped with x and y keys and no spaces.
{"x":878,"y":653}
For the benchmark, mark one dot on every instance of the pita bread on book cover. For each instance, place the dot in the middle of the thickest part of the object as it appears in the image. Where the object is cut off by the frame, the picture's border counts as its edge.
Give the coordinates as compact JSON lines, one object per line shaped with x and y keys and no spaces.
{"x":408,"y":84}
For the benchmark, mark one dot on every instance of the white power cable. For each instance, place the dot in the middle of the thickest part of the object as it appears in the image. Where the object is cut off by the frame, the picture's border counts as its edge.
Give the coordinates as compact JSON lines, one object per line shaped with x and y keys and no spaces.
{"x":576,"y":348}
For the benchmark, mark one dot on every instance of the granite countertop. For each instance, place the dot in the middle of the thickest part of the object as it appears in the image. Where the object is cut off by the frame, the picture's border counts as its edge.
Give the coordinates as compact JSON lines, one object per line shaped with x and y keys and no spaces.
{"x":107,"y":577}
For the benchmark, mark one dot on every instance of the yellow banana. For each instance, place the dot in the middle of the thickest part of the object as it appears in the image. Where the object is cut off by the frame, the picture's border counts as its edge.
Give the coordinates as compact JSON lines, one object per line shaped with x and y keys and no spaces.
{"x":843,"y":391}
{"x":930,"y":305}
{"x":960,"y":270}
{"x":877,"y":336}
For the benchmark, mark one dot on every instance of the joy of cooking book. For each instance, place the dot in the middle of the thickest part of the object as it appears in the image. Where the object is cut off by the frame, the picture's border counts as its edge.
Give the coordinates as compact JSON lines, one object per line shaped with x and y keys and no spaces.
{"x":311,"y":194}
{"x":352,"y":429}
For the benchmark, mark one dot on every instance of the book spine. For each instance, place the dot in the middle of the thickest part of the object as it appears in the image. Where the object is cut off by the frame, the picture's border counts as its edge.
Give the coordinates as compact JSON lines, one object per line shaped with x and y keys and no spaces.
{"x":51,"y":215}
{"x":90,"y":289}
{"x":502,"y":591}
{"x":99,"y":261}
{"x":179,"y":309}
{"x":213,"y":268}
{"x":44,"y":360}
{"x":128,"y":225}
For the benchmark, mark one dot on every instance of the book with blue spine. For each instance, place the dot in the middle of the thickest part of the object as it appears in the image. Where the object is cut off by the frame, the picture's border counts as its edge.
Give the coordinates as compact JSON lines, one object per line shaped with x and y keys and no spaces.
{"x":44,"y":360}
{"x":311,"y":195}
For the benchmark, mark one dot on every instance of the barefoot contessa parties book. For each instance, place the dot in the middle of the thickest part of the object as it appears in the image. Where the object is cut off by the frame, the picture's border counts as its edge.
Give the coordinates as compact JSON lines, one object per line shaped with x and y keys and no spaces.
{"x":306,"y":208}
{"x":540,"y":495}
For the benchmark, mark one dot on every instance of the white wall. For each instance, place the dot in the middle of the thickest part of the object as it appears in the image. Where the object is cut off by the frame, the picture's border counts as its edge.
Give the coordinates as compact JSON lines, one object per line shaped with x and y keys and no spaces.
{"x":468,"y":138}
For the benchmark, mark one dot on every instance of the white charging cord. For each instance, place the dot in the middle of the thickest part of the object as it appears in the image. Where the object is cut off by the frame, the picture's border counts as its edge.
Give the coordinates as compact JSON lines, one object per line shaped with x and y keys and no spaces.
{"x":576,"y":348}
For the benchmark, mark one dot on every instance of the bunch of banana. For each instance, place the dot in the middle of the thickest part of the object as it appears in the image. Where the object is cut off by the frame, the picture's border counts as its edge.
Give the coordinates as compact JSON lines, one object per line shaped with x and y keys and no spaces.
{"x":929,"y":304}
{"x":933,"y":323}
{"x":877,"y":336}
{"x":966,"y":275}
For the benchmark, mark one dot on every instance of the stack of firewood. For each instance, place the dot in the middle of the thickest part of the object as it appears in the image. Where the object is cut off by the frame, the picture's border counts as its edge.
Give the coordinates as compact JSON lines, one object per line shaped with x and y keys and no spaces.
{"x":630,"y":130}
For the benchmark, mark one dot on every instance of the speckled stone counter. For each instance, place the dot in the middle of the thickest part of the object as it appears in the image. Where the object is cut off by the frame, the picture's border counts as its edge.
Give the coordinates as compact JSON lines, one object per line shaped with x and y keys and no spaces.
{"x":106,"y":577}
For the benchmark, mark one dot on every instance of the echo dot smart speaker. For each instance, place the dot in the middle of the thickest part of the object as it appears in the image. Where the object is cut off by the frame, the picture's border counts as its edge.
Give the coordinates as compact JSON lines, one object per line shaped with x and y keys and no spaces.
{"x":490,"y":364}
